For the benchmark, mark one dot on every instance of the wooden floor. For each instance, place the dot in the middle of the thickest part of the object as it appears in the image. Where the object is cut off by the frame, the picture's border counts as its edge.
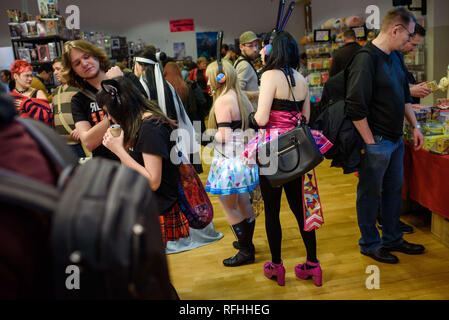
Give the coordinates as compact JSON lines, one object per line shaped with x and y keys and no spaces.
{"x":200,"y":275}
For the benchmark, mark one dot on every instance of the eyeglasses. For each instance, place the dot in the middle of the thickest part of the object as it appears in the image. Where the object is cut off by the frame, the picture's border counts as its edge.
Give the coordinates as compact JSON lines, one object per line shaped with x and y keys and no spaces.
{"x":251,"y":45}
{"x":410,"y":35}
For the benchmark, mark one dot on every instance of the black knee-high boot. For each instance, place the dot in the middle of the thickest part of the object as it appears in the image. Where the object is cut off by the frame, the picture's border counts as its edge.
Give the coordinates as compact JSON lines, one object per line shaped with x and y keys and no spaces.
{"x":243,"y":233}
{"x":251,"y":226}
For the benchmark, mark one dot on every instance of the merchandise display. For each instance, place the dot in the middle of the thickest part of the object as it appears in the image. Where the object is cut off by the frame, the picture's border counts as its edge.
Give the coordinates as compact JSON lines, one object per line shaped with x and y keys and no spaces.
{"x":318,"y":64}
{"x":322,"y":43}
{"x":38,"y":39}
{"x":434,"y":123}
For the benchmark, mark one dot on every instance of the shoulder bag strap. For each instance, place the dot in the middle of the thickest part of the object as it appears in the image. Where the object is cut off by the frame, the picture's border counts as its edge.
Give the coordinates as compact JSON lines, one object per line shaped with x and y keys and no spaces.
{"x":59,"y":112}
{"x":91,"y":96}
{"x":301,"y":118}
{"x":88,"y":94}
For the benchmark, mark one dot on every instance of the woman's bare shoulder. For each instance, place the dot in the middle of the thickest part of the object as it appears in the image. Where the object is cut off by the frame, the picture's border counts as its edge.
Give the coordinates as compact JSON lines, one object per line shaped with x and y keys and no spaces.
{"x":300,"y":77}
{"x":274,"y":73}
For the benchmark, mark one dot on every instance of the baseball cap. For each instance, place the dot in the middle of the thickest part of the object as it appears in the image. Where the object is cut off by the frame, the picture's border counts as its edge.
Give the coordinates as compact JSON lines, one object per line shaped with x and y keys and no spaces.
{"x":247,"y":37}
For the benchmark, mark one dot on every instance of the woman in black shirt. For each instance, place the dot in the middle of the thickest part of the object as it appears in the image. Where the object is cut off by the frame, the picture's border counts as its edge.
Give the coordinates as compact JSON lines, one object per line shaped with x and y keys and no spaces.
{"x":144,"y":145}
{"x":283,"y":99}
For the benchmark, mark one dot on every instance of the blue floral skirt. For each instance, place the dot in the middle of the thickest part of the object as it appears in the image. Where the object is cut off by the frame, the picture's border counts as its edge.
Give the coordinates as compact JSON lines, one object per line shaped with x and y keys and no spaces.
{"x":228,"y":175}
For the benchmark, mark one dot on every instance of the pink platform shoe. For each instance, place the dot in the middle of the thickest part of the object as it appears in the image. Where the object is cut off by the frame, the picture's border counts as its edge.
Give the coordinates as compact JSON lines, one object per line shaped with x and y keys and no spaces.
{"x":275,"y":270}
{"x":315,"y":271}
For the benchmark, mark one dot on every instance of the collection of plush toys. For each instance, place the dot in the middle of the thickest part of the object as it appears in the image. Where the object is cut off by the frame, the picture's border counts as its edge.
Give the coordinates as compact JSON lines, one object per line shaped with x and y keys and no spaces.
{"x":338,"y":26}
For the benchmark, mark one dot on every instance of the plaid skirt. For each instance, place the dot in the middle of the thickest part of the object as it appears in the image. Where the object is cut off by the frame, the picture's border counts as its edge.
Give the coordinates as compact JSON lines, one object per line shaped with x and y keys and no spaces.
{"x":174,"y":225}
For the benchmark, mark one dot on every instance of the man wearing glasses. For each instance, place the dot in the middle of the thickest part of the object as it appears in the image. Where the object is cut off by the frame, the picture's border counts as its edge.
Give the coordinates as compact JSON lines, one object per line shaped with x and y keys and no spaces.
{"x":377,"y":101}
{"x":247,"y":75}
{"x":417,"y":90}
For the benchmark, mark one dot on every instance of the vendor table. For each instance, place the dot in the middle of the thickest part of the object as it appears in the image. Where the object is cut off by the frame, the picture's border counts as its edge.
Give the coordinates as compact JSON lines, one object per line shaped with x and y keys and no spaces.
{"x":426,"y":179}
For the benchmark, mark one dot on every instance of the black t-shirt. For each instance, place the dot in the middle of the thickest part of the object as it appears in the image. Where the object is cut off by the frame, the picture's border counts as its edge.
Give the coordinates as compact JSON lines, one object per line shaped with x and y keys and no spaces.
{"x":154,"y":138}
{"x":86,"y":109}
{"x":377,"y":89}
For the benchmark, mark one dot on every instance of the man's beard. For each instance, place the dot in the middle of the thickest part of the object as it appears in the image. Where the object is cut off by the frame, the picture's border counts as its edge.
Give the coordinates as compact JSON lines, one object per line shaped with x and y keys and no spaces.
{"x":254,"y":57}
{"x":247,"y":57}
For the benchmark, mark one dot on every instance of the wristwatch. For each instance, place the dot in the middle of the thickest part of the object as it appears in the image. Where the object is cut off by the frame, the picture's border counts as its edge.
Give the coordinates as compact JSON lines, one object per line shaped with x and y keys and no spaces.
{"x":418,"y":126}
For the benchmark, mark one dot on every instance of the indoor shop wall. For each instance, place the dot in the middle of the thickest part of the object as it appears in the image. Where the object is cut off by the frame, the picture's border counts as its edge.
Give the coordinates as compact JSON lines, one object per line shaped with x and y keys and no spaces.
{"x":437,"y":42}
{"x":436,"y":24}
{"x":149,"y":20}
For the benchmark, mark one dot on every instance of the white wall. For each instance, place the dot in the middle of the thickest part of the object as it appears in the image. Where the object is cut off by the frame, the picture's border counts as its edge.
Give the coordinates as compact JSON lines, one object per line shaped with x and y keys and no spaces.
{"x":322,"y":10}
{"x":149,"y":20}
{"x":437,"y":42}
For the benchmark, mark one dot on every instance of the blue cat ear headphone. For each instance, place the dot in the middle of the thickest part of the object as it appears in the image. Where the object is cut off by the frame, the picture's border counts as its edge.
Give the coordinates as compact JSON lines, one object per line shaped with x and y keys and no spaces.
{"x":221,"y":77}
{"x":280,"y":25}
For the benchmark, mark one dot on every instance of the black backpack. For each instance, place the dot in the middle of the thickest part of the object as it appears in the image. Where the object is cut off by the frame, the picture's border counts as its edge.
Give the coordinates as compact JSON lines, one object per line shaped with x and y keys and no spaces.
{"x":335,"y":125}
{"x":198,"y":93}
{"x":105,"y":233}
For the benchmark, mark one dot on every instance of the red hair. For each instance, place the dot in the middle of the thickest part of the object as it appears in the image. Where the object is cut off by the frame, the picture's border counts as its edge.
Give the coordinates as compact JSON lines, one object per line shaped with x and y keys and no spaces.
{"x":173,"y":75}
{"x":20,"y":66}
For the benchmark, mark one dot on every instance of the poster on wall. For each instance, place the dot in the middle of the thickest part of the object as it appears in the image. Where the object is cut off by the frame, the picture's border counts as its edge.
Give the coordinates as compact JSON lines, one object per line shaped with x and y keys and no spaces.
{"x":48,"y":8}
{"x":206,"y":43}
{"x":181,"y":25}
{"x":179,"y":49}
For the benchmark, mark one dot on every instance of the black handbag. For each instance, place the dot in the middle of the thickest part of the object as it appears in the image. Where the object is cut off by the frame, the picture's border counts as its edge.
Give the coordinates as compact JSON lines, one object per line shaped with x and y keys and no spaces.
{"x":295,"y":152}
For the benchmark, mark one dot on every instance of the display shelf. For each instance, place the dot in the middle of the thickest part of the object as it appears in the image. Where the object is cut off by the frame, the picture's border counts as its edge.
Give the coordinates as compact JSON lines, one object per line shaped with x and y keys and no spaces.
{"x":33,"y":43}
{"x":44,"y":39}
{"x":23,"y":42}
{"x":319,"y":59}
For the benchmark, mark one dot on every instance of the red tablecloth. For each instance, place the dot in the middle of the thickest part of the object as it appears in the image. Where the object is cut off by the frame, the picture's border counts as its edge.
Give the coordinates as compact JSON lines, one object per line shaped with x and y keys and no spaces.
{"x":426,"y":179}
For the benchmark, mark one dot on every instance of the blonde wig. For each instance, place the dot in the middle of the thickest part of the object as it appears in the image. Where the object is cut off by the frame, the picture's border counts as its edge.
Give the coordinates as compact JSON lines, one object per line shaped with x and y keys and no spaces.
{"x":218,"y":90}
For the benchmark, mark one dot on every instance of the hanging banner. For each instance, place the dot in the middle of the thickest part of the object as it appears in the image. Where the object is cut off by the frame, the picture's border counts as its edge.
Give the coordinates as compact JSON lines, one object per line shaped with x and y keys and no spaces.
{"x":181,"y":25}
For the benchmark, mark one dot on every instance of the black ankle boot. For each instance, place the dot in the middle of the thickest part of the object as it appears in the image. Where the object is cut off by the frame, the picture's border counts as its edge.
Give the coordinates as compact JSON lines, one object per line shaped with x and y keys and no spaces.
{"x":242,"y":231}
{"x":251,"y":226}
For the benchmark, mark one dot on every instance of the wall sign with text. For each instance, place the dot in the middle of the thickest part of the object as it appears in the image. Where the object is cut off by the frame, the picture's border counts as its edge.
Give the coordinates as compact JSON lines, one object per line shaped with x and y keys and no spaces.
{"x":181,"y":25}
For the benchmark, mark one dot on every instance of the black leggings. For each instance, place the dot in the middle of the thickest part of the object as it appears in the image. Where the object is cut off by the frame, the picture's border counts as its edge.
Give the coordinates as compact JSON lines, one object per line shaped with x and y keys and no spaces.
{"x":272,"y":203}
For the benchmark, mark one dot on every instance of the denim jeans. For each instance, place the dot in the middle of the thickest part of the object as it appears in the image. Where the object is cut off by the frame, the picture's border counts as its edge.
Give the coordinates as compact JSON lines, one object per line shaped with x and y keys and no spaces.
{"x":379,"y":191}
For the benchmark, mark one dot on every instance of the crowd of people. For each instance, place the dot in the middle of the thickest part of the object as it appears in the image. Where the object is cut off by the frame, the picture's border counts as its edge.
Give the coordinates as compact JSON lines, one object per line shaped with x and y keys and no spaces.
{"x":150,"y":99}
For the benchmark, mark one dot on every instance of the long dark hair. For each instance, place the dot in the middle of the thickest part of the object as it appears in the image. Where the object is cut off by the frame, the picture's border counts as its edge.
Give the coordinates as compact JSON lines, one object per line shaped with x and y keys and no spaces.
{"x":284,"y":53}
{"x":126,"y":104}
{"x":150,"y":53}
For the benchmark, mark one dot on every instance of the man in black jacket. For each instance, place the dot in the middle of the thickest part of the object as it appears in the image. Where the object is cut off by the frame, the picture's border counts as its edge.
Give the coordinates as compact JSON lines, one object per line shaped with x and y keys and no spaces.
{"x":343,"y":55}
{"x":377,"y":100}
